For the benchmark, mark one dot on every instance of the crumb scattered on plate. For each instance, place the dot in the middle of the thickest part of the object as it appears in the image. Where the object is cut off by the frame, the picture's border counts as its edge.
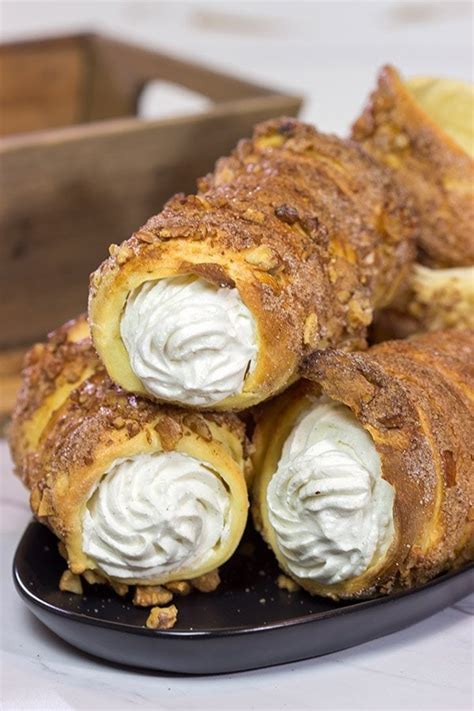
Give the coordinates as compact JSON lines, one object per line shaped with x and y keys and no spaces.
{"x":162,"y":618}
{"x":286,"y":583}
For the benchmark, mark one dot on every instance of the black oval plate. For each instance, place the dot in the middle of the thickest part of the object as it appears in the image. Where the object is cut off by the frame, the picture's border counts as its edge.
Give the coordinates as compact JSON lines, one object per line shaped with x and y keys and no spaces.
{"x":247,"y":623}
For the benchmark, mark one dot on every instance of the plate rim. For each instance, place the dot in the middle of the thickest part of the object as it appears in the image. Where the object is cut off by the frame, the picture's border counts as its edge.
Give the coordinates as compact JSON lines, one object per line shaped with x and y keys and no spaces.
{"x":82,"y":618}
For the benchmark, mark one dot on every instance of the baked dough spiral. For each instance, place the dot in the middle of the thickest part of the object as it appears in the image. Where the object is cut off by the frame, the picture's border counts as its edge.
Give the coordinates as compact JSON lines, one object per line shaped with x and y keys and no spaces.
{"x":305,"y":231}
{"x":422,"y":130}
{"x":139,"y":493}
{"x":402,"y":414}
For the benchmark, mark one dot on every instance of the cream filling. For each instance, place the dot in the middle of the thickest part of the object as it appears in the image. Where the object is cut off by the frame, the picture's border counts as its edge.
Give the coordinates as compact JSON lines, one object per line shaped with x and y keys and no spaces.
{"x":188,"y":340}
{"x":330,"y":508}
{"x":155,"y":513}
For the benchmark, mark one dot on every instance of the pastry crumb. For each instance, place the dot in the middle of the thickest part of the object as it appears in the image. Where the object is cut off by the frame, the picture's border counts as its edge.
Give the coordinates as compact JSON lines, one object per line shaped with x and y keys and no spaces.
{"x":151,"y":595}
{"x":70,"y":582}
{"x":286,"y":583}
{"x":207,"y":582}
{"x":62,"y":550}
{"x":93,"y":578}
{"x":120,"y":588}
{"x":162,"y":618}
{"x":179,"y":587}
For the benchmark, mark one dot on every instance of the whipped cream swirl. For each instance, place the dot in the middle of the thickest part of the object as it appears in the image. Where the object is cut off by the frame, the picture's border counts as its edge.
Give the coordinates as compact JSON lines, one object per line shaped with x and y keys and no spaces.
{"x":327,"y":502}
{"x":188,"y":340}
{"x":155,"y":513}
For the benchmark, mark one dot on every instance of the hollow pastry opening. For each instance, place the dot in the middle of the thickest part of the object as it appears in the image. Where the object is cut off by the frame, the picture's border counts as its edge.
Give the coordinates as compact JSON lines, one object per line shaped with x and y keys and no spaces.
{"x":330,"y":508}
{"x":153,"y":514}
{"x":449,"y":104}
{"x":189,"y":341}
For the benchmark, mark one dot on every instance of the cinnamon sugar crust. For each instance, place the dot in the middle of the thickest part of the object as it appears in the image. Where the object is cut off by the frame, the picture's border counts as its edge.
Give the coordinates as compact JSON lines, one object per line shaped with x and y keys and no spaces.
{"x":94,"y":423}
{"x":416,"y":399}
{"x":437,"y":172}
{"x":312,"y":232}
{"x":433,"y":300}
{"x":50,"y":373}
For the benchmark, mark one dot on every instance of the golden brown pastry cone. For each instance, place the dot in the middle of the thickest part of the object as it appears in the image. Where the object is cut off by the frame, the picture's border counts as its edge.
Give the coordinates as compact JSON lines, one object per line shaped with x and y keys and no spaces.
{"x":94,"y":429}
{"x":415,"y":398}
{"x":436,"y":299}
{"x":307,"y":227}
{"x":423,"y":130}
{"x":51,"y":372}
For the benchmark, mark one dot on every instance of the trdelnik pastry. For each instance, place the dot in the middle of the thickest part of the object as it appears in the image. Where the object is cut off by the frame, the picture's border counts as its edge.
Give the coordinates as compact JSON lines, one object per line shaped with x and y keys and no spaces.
{"x":364,"y":474}
{"x":138,"y":493}
{"x":422,"y":130}
{"x":288,"y":246}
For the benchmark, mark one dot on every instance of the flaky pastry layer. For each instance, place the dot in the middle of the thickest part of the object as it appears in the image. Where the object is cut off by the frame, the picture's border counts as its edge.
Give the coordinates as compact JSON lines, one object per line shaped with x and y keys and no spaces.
{"x":67,"y":431}
{"x":416,"y":399}
{"x":312,"y":232}
{"x":436,"y":170}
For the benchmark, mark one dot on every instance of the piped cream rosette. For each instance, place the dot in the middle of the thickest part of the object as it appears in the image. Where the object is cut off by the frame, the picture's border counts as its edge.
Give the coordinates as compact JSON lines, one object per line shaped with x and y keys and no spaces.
{"x":138,"y":493}
{"x":288,"y":246}
{"x":362,"y":484}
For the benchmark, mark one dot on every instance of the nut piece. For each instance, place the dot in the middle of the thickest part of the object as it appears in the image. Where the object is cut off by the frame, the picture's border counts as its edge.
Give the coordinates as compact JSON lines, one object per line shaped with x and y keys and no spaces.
{"x":35,"y":499}
{"x":121,"y":253}
{"x":198,"y":425}
{"x":162,"y":618}
{"x":145,"y":236}
{"x":286,"y":583}
{"x":93,"y":578}
{"x":287,"y":213}
{"x":359,"y":312}
{"x":120,"y":588}
{"x":179,"y":587}
{"x":254,"y":215}
{"x":310,"y":329}
{"x":207,"y":582}
{"x":262,"y":257}
{"x":46,"y":504}
{"x":70,"y":583}
{"x":150,"y":595}
{"x":169,"y":431}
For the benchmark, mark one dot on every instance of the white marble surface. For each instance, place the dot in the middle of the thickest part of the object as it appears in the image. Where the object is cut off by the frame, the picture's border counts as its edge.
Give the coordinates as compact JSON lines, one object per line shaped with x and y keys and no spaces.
{"x":427,"y":666}
{"x":330,"y":51}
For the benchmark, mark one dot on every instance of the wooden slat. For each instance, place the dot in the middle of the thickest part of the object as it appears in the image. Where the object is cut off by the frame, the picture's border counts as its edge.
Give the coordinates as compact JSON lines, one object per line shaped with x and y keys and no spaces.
{"x":10,"y":367}
{"x":68,"y":192}
{"x":65,"y":201}
{"x":129,"y":67}
{"x":41,"y":85}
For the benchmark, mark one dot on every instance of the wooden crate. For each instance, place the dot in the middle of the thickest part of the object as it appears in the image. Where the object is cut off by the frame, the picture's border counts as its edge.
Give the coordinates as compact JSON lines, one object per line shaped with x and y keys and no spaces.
{"x":79,"y":169}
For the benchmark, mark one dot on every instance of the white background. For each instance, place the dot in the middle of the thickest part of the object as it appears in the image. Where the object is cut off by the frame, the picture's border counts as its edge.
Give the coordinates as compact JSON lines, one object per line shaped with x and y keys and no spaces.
{"x":330,"y":52}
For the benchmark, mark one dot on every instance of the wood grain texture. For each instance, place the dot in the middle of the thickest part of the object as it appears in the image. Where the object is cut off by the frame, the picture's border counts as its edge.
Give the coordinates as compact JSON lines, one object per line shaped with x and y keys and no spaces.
{"x":308,"y":228}
{"x":69,"y":192}
{"x":41,"y":85}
